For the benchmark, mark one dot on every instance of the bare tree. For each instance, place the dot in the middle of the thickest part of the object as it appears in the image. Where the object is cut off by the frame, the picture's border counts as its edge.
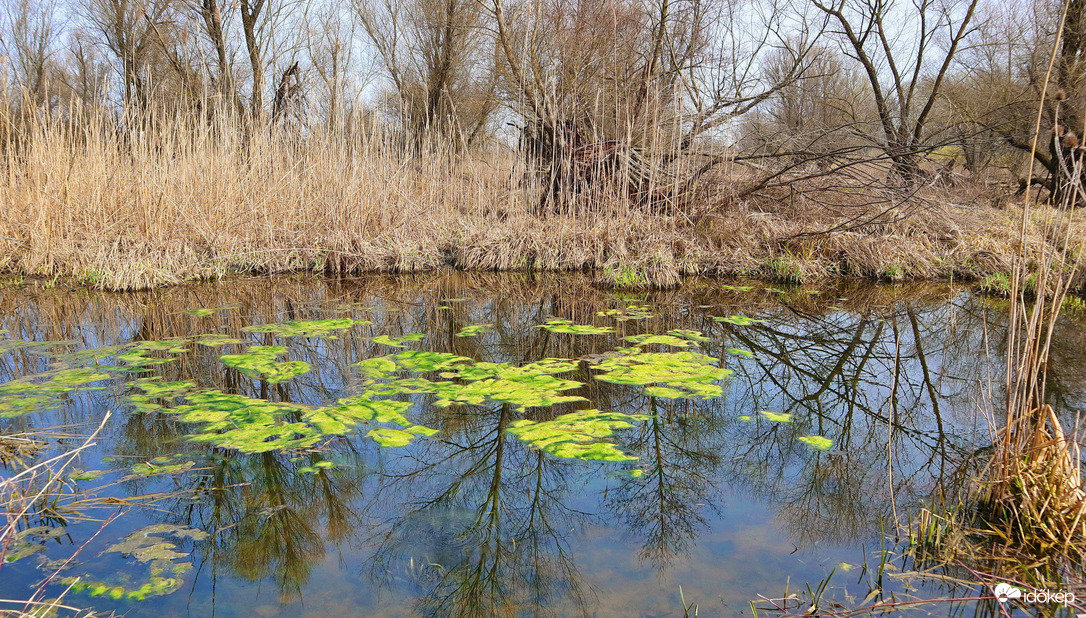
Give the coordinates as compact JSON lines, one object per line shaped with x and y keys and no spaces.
{"x":906,"y":52}
{"x":614,"y":91}
{"x":820,"y":113}
{"x":728,"y":80}
{"x":209,"y":15}
{"x":990,"y":100}
{"x":128,"y":29}
{"x":433,"y":52}
{"x":331,"y":54}
{"x":87,"y":76}
{"x":252,"y":15}
{"x":1005,"y":77}
{"x":33,"y":33}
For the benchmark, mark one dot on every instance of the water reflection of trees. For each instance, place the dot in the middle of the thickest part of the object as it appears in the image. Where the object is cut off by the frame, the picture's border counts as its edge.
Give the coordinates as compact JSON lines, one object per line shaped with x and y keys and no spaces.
{"x":476,"y":523}
{"x":480,"y":525}
{"x":681,"y":456}
{"x":879,"y":383}
{"x":269,"y":516}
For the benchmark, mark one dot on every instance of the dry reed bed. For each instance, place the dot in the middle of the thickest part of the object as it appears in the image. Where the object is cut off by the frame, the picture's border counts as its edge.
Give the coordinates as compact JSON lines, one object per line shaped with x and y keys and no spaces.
{"x":134,"y":210}
{"x":1045,"y":512}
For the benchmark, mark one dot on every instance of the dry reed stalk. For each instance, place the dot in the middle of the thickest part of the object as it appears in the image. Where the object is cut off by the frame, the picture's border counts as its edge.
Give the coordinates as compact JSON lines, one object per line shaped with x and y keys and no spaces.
{"x":17,"y":448}
{"x":18,"y":496}
{"x":166,"y":199}
{"x":1035,"y":501}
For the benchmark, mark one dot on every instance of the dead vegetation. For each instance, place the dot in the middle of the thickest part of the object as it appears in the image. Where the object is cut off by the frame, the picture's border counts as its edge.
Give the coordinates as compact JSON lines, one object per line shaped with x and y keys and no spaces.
{"x":30,"y":488}
{"x":122,"y":210}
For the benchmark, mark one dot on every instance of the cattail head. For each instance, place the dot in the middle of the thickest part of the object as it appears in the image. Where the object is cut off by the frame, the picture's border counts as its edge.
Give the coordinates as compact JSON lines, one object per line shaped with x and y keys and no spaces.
{"x":1070,"y":140}
{"x":1060,"y":95}
{"x":1058,"y":130}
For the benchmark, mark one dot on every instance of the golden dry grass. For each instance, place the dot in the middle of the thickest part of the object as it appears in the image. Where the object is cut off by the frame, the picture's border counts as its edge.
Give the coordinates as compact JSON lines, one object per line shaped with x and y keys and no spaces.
{"x":1038,"y":503}
{"x":186,"y":201}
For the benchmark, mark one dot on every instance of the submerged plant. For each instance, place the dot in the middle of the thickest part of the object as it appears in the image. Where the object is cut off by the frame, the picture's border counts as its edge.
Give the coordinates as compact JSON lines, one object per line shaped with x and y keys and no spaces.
{"x":317,"y":467}
{"x":306,"y":328}
{"x":631,"y":312}
{"x":258,"y":426}
{"x":153,"y":390}
{"x":87,"y":356}
{"x":466,"y":383}
{"x":415,"y":361}
{"x":531,"y":385}
{"x":163,"y":465}
{"x":521,"y":392}
{"x":692,"y":335}
{"x":389,"y":436}
{"x":398,"y":342}
{"x":577,"y":435}
{"x":737,"y":320}
{"x":139,"y":358}
{"x":820,"y":443}
{"x":248,"y":425}
{"x":213,"y":340}
{"x":474,"y":330}
{"x":259,"y":362}
{"x":30,"y":541}
{"x":569,"y":328}
{"x":45,"y":391}
{"x":668,"y":340}
{"x":150,"y":546}
{"x":10,"y":345}
{"x":671,"y":375}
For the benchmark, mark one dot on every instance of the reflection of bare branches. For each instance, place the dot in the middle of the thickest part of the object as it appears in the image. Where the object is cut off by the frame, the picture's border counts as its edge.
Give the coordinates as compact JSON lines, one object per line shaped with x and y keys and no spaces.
{"x":487,"y":515}
{"x":832,"y":375}
{"x":267,"y":519}
{"x":681,"y":461}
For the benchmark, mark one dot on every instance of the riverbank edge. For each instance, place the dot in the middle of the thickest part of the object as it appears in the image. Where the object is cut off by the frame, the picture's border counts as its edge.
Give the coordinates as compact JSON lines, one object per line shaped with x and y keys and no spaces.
{"x":790,"y":274}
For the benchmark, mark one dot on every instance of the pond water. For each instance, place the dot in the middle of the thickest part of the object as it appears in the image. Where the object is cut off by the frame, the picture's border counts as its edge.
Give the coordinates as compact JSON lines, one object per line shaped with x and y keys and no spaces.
{"x":462,"y":444}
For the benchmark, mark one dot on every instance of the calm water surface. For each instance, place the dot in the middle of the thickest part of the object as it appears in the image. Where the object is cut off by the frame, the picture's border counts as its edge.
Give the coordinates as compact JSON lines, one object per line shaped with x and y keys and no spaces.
{"x":722,"y":500}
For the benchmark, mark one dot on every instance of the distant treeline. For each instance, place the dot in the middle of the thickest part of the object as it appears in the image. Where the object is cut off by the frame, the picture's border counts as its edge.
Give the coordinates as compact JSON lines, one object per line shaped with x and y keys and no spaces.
{"x":797,"y":80}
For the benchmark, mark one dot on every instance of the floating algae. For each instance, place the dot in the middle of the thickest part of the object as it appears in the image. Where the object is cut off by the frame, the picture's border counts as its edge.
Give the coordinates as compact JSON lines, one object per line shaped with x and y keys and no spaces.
{"x":577,"y":435}
{"x":259,"y":362}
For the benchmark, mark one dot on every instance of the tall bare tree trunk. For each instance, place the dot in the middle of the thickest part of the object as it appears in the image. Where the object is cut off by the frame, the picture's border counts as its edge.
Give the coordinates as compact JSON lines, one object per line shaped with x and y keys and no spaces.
{"x":1065,"y":145}
{"x":211,"y":14}
{"x":250,"y":17}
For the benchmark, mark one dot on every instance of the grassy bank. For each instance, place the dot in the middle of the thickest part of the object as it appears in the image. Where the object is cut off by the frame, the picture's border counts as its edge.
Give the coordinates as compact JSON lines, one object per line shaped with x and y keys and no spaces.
{"x":139,"y":209}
